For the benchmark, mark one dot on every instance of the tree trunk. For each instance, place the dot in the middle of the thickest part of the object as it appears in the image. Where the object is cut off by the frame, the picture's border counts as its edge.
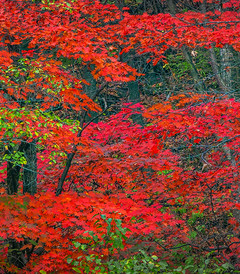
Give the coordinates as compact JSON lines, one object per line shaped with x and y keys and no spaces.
{"x":15,"y":255}
{"x":216,"y":71}
{"x":90,"y":90}
{"x":133,"y":87}
{"x":226,"y":66}
{"x":198,"y":83}
{"x":30,"y":169}
{"x":13,"y":171}
{"x":12,"y":178}
{"x":134,"y":97}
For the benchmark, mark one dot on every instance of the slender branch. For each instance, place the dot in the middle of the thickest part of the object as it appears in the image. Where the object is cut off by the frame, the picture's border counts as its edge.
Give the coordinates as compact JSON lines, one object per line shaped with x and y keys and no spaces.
{"x":72,"y":154}
{"x":100,"y":114}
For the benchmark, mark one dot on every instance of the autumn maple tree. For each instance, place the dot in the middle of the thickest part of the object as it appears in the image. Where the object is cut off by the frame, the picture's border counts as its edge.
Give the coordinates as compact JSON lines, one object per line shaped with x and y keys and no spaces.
{"x":120,"y":131}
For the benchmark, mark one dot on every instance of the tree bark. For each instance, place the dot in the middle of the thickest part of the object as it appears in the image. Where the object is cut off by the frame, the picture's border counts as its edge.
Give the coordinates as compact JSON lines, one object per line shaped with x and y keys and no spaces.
{"x":13,"y":171}
{"x":15,"y":254}
{"x":226,"y":66}
{"x":199,"y":84}
{"x":30,"y":169}
{"x":216,"y":70}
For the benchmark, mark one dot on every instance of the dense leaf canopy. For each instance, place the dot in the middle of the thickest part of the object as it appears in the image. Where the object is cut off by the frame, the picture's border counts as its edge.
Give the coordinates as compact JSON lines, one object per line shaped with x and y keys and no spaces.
{"x":119,"y":136}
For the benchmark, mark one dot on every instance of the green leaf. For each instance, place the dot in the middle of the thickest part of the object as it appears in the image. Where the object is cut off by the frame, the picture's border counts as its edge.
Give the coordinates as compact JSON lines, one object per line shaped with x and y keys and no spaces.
{"x":76,"y":244}
{"x":226,"y":266}
{"x":154,"y":257}
{"x":103,"y":216}
{"x":91,"y":233}
{"x":32,"y":241}
{"x":77,"y":270}
{"x":109,"y":221}
{"x":69,"y":260}
{"x":75,"y":263}
{"x":163,"y":264}
{"x":95,"y":238}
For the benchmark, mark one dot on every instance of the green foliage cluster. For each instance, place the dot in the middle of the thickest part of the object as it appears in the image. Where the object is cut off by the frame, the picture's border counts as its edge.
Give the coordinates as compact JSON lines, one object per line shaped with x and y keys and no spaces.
{"x":184,"y":260}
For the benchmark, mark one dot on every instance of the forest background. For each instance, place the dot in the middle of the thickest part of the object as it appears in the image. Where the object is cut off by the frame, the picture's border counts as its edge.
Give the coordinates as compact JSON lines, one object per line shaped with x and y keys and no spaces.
{"x":120,"y":132}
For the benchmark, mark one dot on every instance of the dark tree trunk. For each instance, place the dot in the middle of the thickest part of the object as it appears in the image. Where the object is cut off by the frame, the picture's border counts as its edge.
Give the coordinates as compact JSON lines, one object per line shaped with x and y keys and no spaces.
{"x":30,"y":169}
{"x":12,"y":178}
{"x":13,"y":171}
{"x":15,"y":255}
{"x":198,"y":83}
{"x":134,"y":97}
